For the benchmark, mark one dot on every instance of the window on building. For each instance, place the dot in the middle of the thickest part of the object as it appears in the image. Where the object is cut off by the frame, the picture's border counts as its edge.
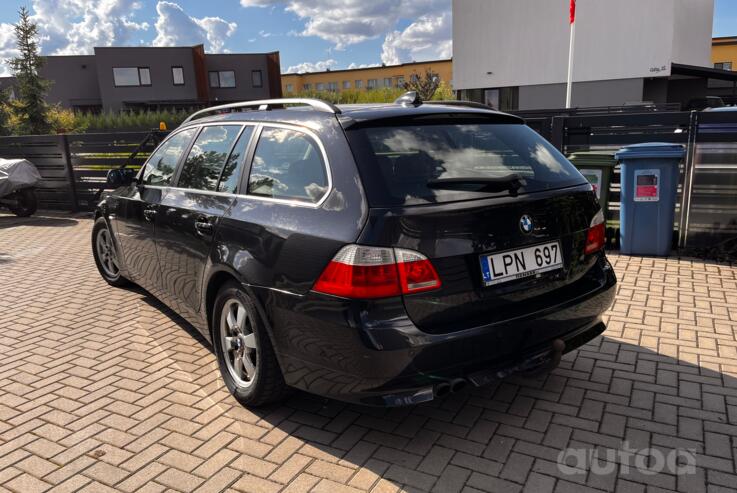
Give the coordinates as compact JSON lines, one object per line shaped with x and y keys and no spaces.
{"x":177,"y":75}
{"x":287,"y":164}
{"x":400,"y":81}
{"x":306,"y":87}
{"x":346,"y":84}
{"x":257,"y":79}
{"x":320,"y":86}
{"x":372,"y":83}
{"x":388,"y":82}
{"x":131,"y":76}
{"x":414,"y":78}
{"x":504,"y":98}
{"x":222,"y":78}
{"x":332,"y":86}
{"x":290,"y":88}
{"x":723,"y":65}
{"x":206,"y":159}
{"x":359,"y":84}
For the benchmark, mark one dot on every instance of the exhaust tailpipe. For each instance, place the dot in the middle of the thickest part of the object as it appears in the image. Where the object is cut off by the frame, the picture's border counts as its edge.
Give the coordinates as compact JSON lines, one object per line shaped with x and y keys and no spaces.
{"x":458,"y":384}
{"x":442,"y":389}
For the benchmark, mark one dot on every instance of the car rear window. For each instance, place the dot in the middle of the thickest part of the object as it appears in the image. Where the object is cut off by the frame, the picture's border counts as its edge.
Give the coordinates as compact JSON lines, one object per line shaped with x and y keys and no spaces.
{"x":397,"y":163}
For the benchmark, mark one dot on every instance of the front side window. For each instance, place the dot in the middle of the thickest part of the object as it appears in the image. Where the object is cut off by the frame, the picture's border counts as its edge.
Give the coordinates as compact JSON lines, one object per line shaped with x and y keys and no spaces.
{"x":288,"y":164}
{"x":177,"y":75}
{"x":430,"y":163}
{"x":222,"y":78}
{"x":257,"y":79}
{"x":131,"y":76}
{"x":162,"y":163}
{"x":206,"y":160}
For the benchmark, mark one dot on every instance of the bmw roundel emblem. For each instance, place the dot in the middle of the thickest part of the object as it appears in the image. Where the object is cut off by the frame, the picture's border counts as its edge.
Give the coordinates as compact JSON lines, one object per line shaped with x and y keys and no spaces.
{"x":525,"y":224}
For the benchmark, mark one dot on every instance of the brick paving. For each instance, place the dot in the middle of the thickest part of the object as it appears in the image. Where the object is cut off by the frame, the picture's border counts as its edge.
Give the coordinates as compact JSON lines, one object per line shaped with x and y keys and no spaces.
{"x":103,"y":389}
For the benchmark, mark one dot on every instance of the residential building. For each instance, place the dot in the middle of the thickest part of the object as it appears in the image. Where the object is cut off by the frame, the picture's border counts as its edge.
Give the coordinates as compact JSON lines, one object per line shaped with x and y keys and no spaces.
{"x":119,"y":78}
{"x":724,"y":53}
{"x":367,"y":78}
{"x":513,"y":54}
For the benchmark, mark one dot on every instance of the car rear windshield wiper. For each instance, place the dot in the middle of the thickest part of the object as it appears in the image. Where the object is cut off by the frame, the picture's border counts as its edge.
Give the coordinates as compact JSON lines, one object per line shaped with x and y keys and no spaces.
{"x":512,"y":182}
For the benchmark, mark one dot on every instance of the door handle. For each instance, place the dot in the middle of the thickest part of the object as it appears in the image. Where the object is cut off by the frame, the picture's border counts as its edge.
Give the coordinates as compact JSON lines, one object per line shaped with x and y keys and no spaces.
{"x":149,"y":214}
{"x":203,"y":226}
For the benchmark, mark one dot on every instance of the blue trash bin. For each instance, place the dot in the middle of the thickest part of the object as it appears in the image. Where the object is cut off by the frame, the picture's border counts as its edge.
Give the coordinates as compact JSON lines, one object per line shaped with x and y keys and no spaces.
{"x":649,"y":180}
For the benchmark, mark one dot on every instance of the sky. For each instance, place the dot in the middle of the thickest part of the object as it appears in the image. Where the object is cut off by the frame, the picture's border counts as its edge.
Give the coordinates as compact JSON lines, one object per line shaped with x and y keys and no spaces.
{"x":309,"y":34}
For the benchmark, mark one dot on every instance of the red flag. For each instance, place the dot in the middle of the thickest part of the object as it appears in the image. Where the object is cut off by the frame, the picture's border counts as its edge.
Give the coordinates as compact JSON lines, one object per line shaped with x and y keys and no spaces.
{"x":573,"y":11}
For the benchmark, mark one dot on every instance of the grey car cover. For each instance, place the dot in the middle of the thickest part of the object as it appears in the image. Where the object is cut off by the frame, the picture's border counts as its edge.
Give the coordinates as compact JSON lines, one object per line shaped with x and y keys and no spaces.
{"x":16,"y":174}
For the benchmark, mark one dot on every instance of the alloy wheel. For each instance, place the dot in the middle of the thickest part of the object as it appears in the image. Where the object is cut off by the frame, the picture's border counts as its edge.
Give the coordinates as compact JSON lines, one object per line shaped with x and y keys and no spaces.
{"x":238,"y":342}
{"x":106,"y":253}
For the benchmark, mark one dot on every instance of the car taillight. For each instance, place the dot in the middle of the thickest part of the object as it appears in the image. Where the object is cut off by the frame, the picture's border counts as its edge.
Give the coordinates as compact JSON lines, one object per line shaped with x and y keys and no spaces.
{"x":376,"y":272}
{"x":596,"y":235}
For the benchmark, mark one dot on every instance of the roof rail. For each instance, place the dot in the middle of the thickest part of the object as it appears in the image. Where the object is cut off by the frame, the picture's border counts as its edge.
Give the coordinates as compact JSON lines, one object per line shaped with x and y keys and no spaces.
{"x":469,"y":104}
{"x":267,"y":104}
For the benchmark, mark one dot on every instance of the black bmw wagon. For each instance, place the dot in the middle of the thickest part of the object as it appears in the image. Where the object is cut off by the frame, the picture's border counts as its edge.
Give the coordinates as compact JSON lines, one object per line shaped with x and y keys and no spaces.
{"x":385,"y":254}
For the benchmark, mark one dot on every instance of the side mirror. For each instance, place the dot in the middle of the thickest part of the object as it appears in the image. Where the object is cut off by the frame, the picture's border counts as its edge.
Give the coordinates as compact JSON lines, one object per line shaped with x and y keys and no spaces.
{"x":120,"y":177}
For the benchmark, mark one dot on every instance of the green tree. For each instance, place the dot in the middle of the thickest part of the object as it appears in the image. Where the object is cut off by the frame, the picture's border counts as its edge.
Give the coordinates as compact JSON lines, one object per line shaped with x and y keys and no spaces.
{"x":425,"y":86}
{"x":5,"y":115}
{"x":30,"y":105}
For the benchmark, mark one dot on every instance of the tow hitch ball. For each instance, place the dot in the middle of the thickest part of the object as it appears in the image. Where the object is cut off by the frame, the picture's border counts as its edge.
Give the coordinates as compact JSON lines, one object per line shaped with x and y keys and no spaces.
{"x":558,"y":347}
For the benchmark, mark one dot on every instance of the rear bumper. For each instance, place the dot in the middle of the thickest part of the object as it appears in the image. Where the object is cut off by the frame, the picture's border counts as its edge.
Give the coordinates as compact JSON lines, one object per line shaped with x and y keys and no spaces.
{"x":371,"y":352}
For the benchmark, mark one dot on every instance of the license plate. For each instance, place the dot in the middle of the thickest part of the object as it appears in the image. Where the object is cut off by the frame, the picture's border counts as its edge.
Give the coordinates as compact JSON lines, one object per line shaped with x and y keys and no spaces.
{"x":517,"y":264}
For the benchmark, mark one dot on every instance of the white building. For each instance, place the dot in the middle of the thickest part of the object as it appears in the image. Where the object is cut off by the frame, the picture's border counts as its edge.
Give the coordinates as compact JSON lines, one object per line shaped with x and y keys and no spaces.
{"x":513,"y":54}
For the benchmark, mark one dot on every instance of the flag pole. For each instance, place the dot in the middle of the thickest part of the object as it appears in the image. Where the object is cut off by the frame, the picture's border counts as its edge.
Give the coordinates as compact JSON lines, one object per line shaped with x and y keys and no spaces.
{"x":569,"y":86}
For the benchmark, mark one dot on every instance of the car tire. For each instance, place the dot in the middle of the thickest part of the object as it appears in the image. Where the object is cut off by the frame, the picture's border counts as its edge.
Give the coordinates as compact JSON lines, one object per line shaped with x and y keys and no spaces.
{"x":246,"y":358}
{"x":27,"y":203}
{"x":106,"y":255}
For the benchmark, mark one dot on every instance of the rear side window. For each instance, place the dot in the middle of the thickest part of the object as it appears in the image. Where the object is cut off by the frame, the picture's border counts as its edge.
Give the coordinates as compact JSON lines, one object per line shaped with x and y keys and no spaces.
{"x":231,"y":172}
{"x":162,"y":163}
{"x":402,"y":165}
{"x":288,"y":164}
{"x":207,"y":158}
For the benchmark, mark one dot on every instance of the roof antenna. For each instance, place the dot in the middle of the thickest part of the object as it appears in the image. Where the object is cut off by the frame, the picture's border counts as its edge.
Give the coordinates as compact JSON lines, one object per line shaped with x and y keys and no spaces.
{"x":410,"y":98}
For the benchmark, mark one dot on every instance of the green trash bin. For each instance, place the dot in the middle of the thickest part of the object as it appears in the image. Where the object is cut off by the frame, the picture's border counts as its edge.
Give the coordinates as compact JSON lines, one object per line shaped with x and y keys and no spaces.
{"x":597,"y":167}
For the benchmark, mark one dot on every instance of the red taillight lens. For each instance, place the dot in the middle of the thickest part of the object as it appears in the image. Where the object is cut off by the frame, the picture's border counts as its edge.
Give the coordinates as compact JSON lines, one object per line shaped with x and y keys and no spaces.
{"x":596,"y":235}
{"x":376,"y":272}
{"x":416,"y":272}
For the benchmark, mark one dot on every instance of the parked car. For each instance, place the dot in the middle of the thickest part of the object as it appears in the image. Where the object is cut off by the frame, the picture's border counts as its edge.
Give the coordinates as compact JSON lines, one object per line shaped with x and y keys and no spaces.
{"x":18,"y":180}
{"x":386,"y":254}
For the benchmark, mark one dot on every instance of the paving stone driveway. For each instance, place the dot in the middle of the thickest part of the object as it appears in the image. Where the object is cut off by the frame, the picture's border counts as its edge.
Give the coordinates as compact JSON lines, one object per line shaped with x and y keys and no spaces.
{"x":104,"y":389}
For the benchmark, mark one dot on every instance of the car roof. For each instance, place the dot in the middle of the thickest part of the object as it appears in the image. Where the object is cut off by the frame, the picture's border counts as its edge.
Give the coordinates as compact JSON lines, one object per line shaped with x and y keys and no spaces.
{"x":357,"y":114}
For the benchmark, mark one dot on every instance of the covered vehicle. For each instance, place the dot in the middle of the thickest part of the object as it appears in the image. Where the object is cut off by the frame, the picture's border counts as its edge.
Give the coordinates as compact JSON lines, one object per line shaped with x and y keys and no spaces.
{"x":18,"y":177}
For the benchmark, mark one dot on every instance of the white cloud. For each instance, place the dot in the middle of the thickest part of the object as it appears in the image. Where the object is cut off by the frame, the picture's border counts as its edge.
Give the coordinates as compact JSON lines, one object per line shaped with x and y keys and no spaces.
{"x":312,"y":67}
{"x":428,"y":37}
{"x":68,"y":27}
{"x":346,"y":22}
{"x":363,"y":65}
{"x":7,"y":47}
{"x":174,"y":27}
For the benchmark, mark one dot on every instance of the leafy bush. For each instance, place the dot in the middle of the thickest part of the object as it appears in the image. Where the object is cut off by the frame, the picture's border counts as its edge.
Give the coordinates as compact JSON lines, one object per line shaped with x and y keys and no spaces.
{"x":131,"y":121}
{"x":382,"y":95}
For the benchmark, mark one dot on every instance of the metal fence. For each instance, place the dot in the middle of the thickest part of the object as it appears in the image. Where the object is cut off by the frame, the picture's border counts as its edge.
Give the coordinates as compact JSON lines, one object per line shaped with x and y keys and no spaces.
{"x":706,"y":209}
{"x":73,"y":167}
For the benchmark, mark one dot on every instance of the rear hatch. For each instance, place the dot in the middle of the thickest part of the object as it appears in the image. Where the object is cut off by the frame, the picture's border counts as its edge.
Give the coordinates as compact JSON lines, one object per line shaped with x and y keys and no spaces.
{"x":461,"y":191}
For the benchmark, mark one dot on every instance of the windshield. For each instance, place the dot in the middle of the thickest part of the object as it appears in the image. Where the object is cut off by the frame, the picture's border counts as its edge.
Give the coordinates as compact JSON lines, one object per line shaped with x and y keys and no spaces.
{"x":407,"y":164}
